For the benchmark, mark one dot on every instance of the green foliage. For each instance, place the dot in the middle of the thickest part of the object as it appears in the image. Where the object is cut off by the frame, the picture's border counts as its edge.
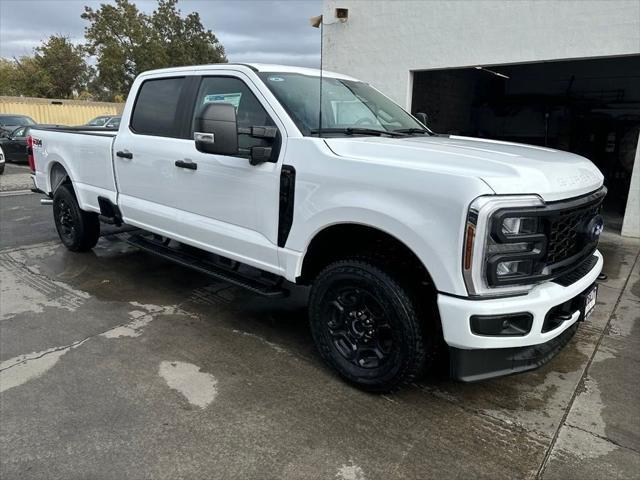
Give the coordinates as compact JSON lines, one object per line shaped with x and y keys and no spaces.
{"x":127,"y":42}
{"x":123,"y":42}
{"x":64,"y":66}
{"x":8,"y":75}
{"x":57,"y":70}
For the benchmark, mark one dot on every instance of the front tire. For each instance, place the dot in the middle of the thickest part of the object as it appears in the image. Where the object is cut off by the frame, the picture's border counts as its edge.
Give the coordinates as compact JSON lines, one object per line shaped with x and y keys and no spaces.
{"x":366,"y":326}
{"x":78,"y":230}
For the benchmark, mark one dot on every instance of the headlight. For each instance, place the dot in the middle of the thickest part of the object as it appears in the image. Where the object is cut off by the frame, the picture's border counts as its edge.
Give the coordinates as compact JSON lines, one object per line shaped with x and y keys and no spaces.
{"x":519,"y":225}
{"x":502,"y":245}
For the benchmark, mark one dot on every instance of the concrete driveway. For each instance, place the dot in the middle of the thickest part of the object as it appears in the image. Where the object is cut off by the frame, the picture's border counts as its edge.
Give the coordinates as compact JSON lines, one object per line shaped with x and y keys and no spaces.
{"x":117,"y":365}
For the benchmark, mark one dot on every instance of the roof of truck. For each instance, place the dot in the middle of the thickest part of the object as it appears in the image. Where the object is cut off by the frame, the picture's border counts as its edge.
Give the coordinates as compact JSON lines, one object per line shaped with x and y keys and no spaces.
{"x":256,"y":67}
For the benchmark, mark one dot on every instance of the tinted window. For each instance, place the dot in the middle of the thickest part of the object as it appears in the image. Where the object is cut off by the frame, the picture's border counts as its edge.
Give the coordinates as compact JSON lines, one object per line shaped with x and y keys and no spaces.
{"x":249,"y":110}
{"x":155,"y":110}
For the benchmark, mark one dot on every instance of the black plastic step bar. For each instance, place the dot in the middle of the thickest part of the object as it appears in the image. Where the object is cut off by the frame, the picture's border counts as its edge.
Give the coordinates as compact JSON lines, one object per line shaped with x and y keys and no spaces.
{"x":208,"y":267}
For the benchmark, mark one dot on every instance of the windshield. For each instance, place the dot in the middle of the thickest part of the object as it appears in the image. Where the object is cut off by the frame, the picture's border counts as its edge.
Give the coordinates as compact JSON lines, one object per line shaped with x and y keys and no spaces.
{"x":98,"y":121}
{"x":16,"y":120}
{"x":346,"y":104}
{"x":113,"y":123}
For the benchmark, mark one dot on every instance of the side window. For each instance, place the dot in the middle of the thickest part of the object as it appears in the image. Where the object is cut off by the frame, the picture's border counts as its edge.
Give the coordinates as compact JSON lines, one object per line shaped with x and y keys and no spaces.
{"x":19,"y":132}
{"x":249,"y":110}
{"x":156,"y":106}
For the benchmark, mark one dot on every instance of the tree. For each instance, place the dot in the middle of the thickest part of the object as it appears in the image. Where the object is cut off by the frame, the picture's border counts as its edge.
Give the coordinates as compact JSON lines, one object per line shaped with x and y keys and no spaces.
{"x":56,"y":70}
{"x":127,"y":42}
{"x":8,"y":74}
{"x":30,"y":79}
{"x":63,"y":65}
{"x":186,"y":42}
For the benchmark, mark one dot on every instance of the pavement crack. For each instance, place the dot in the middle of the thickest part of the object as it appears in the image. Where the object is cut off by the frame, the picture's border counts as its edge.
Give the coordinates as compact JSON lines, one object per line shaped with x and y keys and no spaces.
{"x":606,"y":439}
{"x":563,"y":420}
{"x":31,"y":357}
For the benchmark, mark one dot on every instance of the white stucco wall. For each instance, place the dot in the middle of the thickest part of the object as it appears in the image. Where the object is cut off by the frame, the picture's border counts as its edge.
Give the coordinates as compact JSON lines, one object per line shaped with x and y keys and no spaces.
{"x":631,"y":224}
{"x":384,"y":40}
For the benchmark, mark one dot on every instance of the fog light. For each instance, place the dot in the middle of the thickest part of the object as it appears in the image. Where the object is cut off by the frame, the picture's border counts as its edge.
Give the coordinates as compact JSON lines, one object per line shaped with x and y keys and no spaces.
{"x":510,"y":325}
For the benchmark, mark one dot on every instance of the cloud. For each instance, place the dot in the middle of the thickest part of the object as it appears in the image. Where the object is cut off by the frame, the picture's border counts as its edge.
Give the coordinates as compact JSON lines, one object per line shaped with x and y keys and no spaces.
{"x":266,"y":31}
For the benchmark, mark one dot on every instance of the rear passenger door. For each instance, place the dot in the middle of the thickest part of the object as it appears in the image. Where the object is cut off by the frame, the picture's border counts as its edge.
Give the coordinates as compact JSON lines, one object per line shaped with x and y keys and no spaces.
{"x":225,"y":205}
{"x":144,"y":154}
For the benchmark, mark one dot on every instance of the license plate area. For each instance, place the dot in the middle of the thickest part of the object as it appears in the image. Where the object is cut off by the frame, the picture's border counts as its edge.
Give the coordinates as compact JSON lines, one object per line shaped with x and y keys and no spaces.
{"x":589,"y":301}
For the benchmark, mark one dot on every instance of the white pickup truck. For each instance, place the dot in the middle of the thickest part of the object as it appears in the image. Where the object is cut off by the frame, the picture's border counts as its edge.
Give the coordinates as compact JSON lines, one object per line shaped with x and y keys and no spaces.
{"x":410,"y":241}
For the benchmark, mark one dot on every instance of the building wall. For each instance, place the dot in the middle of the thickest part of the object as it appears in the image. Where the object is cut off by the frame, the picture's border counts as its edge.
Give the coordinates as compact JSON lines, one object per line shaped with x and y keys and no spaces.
{"x":631,"y":224}
{"x":383,"y":41}
{"x":67,"y":112}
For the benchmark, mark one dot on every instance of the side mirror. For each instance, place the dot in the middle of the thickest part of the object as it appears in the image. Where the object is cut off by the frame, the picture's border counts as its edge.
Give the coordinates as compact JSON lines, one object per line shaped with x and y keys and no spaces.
{"x":216,"y":129}
{"x":423,"y":117}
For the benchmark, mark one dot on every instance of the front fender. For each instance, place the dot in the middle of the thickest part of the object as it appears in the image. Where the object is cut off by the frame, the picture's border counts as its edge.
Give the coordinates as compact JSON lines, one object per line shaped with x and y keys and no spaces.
{"x":434,"y":237}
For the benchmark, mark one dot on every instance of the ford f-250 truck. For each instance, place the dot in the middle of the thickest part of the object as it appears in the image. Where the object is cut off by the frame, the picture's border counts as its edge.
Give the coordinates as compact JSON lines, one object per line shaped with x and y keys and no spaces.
{"x":409,"y":240}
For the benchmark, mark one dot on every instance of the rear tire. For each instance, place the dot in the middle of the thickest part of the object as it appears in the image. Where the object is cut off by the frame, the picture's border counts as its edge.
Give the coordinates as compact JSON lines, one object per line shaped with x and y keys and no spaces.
{"x":366,"y":326}
{"x":78,"y":230}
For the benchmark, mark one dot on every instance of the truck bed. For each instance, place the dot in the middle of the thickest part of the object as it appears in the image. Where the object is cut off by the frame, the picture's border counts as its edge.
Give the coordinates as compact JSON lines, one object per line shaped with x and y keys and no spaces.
{"x":85,"y":153}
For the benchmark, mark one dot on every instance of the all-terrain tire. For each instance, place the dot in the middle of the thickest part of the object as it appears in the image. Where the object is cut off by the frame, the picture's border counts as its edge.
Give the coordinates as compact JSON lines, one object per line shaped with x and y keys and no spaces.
{"x":78,"y":230}
{"x":378,"y":355}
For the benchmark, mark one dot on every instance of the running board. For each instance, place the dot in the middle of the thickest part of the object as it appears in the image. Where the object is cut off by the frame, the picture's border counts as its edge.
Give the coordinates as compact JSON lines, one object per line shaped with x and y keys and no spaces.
{"x":234,"y":277}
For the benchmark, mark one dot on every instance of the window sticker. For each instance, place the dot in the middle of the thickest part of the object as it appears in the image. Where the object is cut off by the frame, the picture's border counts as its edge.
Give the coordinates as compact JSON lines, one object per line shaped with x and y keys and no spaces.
{"x":232,"y":98}
{"x":276,"y":79}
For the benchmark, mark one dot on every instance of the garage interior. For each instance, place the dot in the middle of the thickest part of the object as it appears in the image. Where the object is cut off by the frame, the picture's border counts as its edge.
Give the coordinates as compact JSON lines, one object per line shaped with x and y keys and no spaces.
{"x":590,"y":107}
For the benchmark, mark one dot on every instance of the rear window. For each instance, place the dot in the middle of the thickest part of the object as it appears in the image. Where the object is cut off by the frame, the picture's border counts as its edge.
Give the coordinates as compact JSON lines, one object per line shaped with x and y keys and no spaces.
{"x":155,"y":110}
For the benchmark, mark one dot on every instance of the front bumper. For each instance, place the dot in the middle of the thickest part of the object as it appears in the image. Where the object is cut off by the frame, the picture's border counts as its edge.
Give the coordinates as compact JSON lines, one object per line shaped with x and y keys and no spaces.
{"x":456,"y":312}
{"x":474,"y":365}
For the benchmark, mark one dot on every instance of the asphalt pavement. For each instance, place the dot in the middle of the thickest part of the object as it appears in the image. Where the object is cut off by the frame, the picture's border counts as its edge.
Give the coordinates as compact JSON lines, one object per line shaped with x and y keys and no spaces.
{"x":117,"y":365}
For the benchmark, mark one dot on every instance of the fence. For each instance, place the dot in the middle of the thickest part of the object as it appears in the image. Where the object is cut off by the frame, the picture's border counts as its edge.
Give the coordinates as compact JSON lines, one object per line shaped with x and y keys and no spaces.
{"x":61,"y":112}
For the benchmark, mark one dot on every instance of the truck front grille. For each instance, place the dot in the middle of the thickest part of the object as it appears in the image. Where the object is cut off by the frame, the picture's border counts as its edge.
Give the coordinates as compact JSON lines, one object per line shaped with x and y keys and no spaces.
{"x":565,"y":232}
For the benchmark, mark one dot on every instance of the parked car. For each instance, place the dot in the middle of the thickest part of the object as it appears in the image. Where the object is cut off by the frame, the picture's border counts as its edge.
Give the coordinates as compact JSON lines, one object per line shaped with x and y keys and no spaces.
{"x":113,"y":122}
{"x":2,"y":161}
{"x":15,"y":143}
{"x":107,"y":121}
{"x":9,"y":122}
{"x":410,"y":241}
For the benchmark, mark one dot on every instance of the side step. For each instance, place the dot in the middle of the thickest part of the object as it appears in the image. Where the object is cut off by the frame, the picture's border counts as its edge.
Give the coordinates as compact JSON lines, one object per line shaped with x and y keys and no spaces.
{"x":203,"y":265}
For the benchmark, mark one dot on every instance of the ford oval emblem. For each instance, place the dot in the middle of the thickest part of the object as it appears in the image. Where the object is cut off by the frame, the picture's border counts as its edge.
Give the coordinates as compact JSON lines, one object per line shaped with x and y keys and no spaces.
{"x":594,"y":228}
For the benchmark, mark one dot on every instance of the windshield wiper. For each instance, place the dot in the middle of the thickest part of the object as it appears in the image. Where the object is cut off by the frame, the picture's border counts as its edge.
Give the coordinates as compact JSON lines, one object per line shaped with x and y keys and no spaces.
{"x":411,"y":131}
{"x":359,"y":131}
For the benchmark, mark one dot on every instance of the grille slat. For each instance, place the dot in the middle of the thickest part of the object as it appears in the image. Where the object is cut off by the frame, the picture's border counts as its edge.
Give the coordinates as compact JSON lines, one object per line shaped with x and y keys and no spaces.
{"x":564,"y":233}
{"x":574,"y":275}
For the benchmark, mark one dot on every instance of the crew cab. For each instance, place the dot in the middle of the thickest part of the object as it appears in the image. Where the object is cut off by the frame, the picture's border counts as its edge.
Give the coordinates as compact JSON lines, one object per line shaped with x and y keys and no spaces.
{"x":412,"y":243}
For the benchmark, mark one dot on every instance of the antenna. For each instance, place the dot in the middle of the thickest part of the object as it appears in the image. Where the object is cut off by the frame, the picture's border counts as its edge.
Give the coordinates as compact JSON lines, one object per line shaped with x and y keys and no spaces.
{"x":318,"y":22}
{"x":342,"y":14}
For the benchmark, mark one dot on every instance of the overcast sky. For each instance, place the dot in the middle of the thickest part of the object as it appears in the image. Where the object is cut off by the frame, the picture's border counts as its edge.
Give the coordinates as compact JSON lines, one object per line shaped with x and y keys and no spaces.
{"x":266,"y":31}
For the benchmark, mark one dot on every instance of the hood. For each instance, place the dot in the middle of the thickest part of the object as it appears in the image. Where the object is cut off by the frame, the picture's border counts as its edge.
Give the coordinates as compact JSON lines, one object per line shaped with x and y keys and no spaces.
{"x":508,"y":168}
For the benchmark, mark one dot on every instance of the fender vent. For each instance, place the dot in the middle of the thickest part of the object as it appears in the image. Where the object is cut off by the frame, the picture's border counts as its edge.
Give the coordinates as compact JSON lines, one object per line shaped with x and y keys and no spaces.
{"x":287,"y":194}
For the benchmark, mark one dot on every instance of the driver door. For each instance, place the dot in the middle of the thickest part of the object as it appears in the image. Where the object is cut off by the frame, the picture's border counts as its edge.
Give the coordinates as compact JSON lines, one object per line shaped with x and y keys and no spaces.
{"x":222,"y":204}
{"x":15,"y":148}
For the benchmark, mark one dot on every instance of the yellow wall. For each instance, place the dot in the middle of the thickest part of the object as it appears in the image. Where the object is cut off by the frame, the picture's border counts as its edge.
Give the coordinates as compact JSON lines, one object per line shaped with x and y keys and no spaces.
{"x":71,"y":112}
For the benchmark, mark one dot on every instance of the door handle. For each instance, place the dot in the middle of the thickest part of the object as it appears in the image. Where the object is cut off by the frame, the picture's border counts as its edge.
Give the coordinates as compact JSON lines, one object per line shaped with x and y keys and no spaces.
{"x":187,"y":164}
{"x":124,"y":154}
